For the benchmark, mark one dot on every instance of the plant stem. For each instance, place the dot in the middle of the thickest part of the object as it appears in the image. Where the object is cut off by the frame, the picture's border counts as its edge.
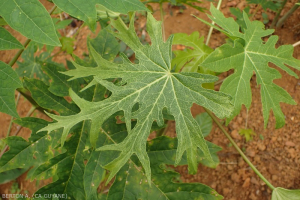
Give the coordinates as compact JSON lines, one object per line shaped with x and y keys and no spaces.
{"x":287,"y":15}
{"x":239,"y":150}
{"x":16,"y":57}
{"x":278,"y":14}
{"x":213,"y":23}
{"x":162,"y":16}
{"x":296,"y":44}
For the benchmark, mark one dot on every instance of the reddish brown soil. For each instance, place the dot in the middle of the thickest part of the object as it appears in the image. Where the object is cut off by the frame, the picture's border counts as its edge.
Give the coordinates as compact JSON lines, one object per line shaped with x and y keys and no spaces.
{"x":276,"y":155}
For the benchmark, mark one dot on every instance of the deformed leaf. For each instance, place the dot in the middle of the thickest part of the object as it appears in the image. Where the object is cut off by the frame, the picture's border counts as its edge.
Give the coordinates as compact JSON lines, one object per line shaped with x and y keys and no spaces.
{"x":7,"y":41}
{"x":249,"y":54}
{"x":31,"y":19}
{"x":31,"y":65}
{"x":69,"y":167}
{"x":24,"y":153}
{"x":154,"y":87}
{"x":9,"y":82}
{"x":283,"y":194}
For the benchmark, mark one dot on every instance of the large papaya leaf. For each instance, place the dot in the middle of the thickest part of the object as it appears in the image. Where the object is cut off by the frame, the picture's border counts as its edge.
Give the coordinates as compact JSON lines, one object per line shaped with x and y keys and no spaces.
{"x":7,"y":41}
{"x":69,"y":167}
{"x":9,"y":82}
{"x":31,"y":19}
{"x":86,"y":10}
{"x":37,"y":150}
{"x":251,"y":54}
{"x":154,"y":87}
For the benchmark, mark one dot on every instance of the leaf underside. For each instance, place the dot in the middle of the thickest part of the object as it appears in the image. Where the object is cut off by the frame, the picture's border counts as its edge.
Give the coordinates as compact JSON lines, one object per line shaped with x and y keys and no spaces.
{"x":249,"y":54}
{"x":151,"y":85}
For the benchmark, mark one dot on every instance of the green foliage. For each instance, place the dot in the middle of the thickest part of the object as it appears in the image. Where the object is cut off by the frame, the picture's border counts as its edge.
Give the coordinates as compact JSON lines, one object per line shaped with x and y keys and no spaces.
{"x":179,"y":2}
{"x":267,"y":4}
{"x":205,"y":123}
{"x":248,"y":54}
{"x":9,"y":82}
{"x":282,"y":194}
{"x":31,"y":67}
{"x":86,"y":10}
{"x":38,"y":149}
{"x":240,"y":16}
{"x":30,"y":18}
{"x":152,"y":91}
{"x":10,"y":175}
{"x":7,"y":41}
{"x":189,"y":60}
{"x":115,"y":104}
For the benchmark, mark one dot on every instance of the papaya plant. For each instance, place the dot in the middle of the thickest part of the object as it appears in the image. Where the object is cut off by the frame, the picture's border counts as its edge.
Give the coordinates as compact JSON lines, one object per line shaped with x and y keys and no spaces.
{"x":104,"y":111}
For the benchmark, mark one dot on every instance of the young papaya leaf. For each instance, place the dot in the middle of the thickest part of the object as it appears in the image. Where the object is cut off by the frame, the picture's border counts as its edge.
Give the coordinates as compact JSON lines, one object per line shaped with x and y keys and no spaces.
{"x":67,"y":44}
{"x":31,"y":19}
{"x":37,"y":150}
{"x":251,"y":54}
{"x":45,"y":99}
{"x":9,"y":82}
{"x":69,"y":167}
{"x":282,"y":194}
{"x":205,"y":122}
{"x":189,"y":60}
{"x":86,"y":10}
{"x":153,"y":86}
{"x":31,"y":65}
{"x":7,"y":41}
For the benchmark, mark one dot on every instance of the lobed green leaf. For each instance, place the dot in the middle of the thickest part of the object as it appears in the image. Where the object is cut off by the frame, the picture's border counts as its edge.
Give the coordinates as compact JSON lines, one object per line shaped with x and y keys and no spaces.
{"x":153,"y":86}
{"x":250,"y":54}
